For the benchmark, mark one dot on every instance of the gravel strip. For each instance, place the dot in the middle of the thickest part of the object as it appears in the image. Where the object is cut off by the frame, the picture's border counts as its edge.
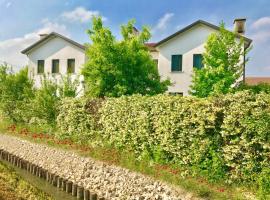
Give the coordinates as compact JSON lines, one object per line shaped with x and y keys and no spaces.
{"x":106,"y":180}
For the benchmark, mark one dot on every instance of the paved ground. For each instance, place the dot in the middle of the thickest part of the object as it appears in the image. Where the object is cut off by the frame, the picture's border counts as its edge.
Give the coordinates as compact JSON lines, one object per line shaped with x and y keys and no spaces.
{"x":108,"y":181}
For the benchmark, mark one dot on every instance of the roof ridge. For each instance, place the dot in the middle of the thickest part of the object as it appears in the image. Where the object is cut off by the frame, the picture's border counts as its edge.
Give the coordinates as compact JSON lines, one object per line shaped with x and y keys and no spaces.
{"x":194,"y":24}
{"x":25,"y":51}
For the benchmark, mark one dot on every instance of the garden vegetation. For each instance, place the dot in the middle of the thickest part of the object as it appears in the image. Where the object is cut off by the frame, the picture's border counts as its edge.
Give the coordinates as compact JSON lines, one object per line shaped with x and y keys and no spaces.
{"x":222,"y":137}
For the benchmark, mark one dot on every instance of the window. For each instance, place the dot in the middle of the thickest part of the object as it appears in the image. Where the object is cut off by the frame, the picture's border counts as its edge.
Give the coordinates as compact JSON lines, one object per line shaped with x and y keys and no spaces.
{"x":176,"y":93}
{"x":55,"y":66}
{"x":176,"y":63}
{"x":71,"y":66}
{"x":156,"y":61}
{"x":40,"y":66}
{"x":198,"y":61}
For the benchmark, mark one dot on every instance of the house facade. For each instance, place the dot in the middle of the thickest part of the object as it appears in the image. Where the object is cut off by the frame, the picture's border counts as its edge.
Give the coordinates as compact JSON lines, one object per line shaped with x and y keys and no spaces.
{"x":55,"y":56}
{"x":176,"y":56}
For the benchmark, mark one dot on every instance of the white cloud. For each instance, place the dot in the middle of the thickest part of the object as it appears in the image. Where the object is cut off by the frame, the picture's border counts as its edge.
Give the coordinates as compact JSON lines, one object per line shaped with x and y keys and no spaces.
{"x":260,"y":30}
{"x":160,"y":29}
{"x":49,"y":27}
{"x":261,"y":36}
{"x":10,"y":49}
{"x":163,"y":22}
{"x":80,"y":14}
{"x":261,"y":23}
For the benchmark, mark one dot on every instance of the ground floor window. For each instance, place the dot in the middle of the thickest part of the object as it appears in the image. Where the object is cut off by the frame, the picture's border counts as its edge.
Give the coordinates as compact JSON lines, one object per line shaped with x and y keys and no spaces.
{"x":40,"y":66}
{"x":55,"y":66}
{"x":71,"y":66}
{"x":176,"y":93}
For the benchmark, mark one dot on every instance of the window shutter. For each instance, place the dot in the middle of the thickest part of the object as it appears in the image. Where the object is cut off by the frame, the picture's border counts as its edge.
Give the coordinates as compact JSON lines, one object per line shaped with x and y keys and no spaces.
{"x":55,"y":66}
{"x":198,"y":61}
{"x":71,"y":66}
{"x":40,"y":69}
{"x":176,"y":64}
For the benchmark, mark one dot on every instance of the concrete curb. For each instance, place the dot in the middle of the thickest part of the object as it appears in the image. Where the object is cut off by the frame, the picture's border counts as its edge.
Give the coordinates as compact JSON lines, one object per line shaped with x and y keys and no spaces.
{"x":66,"y":185}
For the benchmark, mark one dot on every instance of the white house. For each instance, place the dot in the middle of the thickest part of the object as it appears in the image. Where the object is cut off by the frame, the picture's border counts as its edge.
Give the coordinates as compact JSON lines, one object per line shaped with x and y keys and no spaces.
{"x":179,"y":53}
{"x":176,"y":55}
{"x":55,"y":55}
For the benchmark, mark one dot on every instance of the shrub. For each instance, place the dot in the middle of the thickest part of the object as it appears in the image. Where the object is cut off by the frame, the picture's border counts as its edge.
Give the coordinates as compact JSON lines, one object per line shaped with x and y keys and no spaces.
{"x":126,"y":123}
{"x":77,"y":119}
{"x":246,"y":134}
{"x":43,"y":108}
{"x":262,"y":87}
{"x":263,"y":182}
{"x":225,"y":137}
{"x":16,"y":91}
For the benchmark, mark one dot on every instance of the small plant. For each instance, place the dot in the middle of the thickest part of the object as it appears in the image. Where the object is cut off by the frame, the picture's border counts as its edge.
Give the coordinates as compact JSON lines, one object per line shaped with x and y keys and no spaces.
{"x":264,"y":184}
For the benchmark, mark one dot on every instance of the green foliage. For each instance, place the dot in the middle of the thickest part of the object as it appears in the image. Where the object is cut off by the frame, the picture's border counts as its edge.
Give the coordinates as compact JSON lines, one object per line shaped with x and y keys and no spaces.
{"x":246,"y":134}
{"x":68,"y":87}
{"x":263,"y":182}
{"x":77,"y":119}
{"x":262,"y":87}
{"x":16,"y":91}
{"x":225,"y":137}
{"x":43,"y":108}
{"x":223,"y":64}
{"x":123,"y":67}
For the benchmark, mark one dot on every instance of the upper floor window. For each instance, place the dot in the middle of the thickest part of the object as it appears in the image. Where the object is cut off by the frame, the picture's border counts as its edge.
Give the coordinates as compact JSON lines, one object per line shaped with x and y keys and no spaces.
{"x":71,"y":66}
{"x":55,"y":66}
{"x":198,"y":61}
{"x":176,"y":63}
{"x":40,"y":66}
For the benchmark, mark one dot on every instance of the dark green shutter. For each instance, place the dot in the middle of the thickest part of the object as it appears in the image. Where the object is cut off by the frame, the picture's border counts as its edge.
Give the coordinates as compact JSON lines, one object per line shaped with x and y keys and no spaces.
{"x":198,"y":61}
{"x":55,"y":66}
{"x":40,"y":69}
{"x":176,"y":63}
{"x":71,"y":66}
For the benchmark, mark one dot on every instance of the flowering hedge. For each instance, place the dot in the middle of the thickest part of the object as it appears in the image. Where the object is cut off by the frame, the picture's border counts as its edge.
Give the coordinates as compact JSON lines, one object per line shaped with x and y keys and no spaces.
{"x":224,"y":137}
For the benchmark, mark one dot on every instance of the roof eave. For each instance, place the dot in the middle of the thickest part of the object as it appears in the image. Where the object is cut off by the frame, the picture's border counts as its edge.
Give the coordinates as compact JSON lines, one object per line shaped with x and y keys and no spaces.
{"x":249,"y":41}
{"x":53,"y":34}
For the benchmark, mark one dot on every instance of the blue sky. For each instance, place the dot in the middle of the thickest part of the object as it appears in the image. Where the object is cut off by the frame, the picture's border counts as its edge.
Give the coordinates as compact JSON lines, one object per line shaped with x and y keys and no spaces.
{"x":22,"y":20}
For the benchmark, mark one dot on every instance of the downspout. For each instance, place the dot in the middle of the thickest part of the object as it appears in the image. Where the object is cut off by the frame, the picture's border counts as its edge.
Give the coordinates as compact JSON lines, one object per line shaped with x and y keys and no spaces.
{"x":244,"y":70}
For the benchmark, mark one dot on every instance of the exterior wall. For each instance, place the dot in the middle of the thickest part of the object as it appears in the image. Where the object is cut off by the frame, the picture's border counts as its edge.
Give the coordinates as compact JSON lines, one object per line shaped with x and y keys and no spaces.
{"x":188,"y":43}
{"x":56,"y":48}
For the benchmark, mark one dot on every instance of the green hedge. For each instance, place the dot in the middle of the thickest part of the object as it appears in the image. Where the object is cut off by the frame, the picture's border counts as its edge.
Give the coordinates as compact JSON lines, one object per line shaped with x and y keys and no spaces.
{"x":77,"y":119}
{"x":224,"y":137}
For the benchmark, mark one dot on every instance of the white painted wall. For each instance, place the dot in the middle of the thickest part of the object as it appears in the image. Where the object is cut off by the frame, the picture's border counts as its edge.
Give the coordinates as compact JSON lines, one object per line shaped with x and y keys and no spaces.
{"x":188,"y":43}
{"x":55,"y":48}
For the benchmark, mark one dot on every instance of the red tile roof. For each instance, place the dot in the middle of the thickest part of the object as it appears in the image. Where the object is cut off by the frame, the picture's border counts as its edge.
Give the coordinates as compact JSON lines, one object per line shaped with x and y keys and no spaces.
{"x":257,"y":80}
{"x":151,"y":46}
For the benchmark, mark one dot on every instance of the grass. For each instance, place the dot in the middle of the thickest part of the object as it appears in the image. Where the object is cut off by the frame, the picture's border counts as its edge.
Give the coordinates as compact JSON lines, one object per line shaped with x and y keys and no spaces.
{"x":13,"y":187}
{"x":198,"y":186}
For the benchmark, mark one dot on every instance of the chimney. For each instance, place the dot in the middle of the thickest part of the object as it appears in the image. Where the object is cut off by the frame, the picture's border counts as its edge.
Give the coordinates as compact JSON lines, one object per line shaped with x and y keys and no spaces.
{"x":135,"y":31}
{"x":43,"y":35}
{"x":239,"y":26}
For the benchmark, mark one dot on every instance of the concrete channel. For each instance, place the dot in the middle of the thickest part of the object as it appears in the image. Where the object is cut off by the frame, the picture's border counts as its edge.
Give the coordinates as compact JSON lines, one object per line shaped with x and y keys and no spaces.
{"x":56,"y":186}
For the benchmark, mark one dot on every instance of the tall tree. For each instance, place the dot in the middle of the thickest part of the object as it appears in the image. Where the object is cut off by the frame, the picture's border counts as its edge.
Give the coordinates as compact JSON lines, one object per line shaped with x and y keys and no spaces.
{"x":223,"y":60}
{"x":124,"y":67}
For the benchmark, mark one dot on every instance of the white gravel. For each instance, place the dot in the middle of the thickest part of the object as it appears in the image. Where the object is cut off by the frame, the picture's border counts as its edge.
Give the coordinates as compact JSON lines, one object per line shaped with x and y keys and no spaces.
{"x":109,"y":181}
